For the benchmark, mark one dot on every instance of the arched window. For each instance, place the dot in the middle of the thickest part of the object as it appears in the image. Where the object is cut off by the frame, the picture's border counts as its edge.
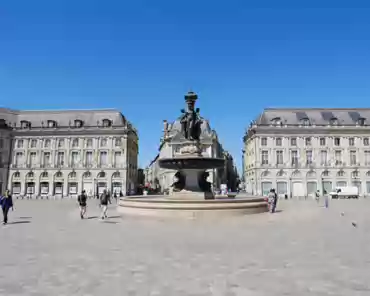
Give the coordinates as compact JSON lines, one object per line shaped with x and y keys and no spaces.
{"x":52,"y":123}
{"x":341,"y":173}
{"x":87,"y":175}
{"x":101,"y":175}
{"x":78,"y":123}
{"x":277,"y":121}
{"x":355,"y":174}
{"x":72,"y":175}
{"x":305,"y":122}
{"x":107,"y":123}
{"x":325,"y":174}
{"x":361,"y":121}
{"x":334,"y":121}
{"x":116,"y":175}
{"x":30,"y":175}
{"x":58,"y":175}
{"x":25,"y":124}
{"x":44,"y":174}
{"x":17,"y":175}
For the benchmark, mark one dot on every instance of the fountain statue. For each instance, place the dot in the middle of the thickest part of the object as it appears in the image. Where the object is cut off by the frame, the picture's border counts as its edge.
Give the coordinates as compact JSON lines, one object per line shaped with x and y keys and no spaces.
{"x":191,"y":193}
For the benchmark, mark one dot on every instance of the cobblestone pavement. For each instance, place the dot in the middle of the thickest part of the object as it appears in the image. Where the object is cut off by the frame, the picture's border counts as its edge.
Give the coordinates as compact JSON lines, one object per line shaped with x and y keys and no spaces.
{"x":304,"y":249}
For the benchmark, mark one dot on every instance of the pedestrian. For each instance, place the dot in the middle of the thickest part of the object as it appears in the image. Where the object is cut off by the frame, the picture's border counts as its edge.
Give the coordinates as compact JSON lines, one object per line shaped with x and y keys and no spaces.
{"x":272,"y":200}
{"x":104,"y":199}
{"x":120,"y":193}
{"x":317,"y":196}
{"x":6,"y":203}
{"x":326,"y":199}
{"x":82,"y":202}
{"x":115,"y":196}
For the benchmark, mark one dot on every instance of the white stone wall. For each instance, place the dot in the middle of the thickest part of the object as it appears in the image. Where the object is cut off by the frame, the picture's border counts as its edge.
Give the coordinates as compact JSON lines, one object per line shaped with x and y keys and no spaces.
{"x":122,"y":175}
{"x":258,"y":176}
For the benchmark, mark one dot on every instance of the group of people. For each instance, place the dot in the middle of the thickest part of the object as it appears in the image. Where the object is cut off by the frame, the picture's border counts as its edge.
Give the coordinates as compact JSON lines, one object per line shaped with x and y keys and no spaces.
{"x":6,"y":203}
{"x":104,"y":200}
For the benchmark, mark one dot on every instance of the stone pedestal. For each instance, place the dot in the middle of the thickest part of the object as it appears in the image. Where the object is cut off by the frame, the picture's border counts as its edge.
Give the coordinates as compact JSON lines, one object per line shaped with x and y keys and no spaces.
{"x":191,"y":189}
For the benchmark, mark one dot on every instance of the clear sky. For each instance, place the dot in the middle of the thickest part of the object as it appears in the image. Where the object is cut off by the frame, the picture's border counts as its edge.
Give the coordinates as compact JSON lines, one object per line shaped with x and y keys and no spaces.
{"x":141,"y":56}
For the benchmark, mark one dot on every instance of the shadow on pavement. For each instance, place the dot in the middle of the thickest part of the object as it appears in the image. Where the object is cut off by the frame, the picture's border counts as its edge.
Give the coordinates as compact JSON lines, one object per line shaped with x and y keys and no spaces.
{"x":25,"y":217}
{"x":109,"y":222}
{"x":19,"y":222}
{"x":92,"y":217}
{"x":114,"y":217}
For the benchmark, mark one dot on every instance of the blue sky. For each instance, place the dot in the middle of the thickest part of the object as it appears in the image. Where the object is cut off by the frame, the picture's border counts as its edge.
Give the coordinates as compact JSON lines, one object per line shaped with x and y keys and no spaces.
{"x":141,"y":57}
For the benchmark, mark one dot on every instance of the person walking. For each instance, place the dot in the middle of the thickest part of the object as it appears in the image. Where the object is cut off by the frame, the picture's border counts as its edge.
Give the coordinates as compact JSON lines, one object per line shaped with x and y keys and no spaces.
{"x":104,"y":199}
{"x":272,"y":199}
{"x":115,"y":196}
{"x":82,"y":201}
{"x":6,"y":203}
{"x":317,"y":196}
{"x":326,"y":199}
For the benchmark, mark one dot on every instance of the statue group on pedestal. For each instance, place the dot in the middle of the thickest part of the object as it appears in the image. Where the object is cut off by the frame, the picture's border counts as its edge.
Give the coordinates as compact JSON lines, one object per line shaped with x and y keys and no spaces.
{"x":191,"y":121}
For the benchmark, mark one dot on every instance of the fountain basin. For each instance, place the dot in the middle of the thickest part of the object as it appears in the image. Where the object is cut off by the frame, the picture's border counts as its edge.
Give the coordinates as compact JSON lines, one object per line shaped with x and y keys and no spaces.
{"x":160,"y":206}
{"x":191,"y":162}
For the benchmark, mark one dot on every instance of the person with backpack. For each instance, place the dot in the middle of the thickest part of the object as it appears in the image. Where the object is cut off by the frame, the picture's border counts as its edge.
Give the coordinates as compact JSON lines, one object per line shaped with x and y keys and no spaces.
{"x":82,"y":202}
{"x":104,"y":199}
{"x":6,"y":202}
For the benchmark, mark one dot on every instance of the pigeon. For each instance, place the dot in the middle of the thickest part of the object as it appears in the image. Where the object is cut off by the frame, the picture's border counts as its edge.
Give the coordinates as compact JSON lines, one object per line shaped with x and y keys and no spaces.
{"x":342,"y":214}
{"x":354,"y":224}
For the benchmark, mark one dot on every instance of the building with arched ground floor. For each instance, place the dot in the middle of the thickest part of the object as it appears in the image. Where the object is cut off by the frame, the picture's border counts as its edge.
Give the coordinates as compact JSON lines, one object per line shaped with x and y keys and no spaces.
{"x":61,"y":153}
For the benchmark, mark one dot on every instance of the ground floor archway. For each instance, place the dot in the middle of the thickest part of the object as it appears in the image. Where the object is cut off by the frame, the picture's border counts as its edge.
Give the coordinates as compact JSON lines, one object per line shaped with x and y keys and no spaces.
{"x":73,"y":189}
{"x":16,"y":188}
{"x":58,"y":189}
{"x":30,"y":188}
{"x":44,"y":188}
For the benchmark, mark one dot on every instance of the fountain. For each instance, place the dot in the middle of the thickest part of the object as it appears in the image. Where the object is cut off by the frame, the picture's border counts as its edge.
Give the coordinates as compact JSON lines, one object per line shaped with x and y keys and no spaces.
{"x":192,"y":194}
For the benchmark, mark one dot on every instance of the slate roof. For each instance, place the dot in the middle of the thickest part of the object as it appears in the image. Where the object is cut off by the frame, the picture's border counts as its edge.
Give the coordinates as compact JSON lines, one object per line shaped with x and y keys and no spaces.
{"x":63,"y":117}
{"x":317,"y":116}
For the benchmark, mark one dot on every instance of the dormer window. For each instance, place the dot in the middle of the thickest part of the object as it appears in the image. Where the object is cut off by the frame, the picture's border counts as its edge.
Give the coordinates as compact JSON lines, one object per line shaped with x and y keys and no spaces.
{"x":107,"y":123}
{"x":78,"y":123}
{"x":25,"y":124}
{"x":361,"y":121}
{"x":333,"y":121}
{"x":305,"y":122}
{"x":277,"y":121}
{"x":52,"y":123}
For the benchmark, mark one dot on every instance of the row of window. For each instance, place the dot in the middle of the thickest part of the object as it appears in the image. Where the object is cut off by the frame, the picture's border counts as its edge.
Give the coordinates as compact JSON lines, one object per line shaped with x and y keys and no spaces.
{"x":75,"y":159}
{"x":75,"y":142}
{"x":306,"y":121}
{"x":77,"y":123}
{"x":72,"y":175}
{"x":324,"y":160}
{"x":322,"y":141}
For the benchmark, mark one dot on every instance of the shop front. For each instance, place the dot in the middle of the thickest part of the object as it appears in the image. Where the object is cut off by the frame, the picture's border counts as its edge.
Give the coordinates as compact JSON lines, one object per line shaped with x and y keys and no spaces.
{"x":116,"y":188}
{"x":44,"y":189}
{"x":30,"y":188}
{"x":101,"y":187}
{"x":58,"y":189}
{"x":16,"y":188}
{"x":73,"y":189}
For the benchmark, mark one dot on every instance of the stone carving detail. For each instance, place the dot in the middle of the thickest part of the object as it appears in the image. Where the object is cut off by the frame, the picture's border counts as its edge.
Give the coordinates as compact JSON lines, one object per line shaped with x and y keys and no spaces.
{"x":179,"y":183}
{"x":204,"y":185}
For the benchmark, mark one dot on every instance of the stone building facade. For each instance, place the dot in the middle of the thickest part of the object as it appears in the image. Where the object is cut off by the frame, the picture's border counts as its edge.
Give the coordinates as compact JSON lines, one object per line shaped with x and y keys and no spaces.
{"x":299,"y":151}
{"x":61,"y":153}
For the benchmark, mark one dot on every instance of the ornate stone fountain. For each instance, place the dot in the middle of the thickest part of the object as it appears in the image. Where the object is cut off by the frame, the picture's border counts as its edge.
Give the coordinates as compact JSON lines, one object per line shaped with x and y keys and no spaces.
{"x":192,"y":194}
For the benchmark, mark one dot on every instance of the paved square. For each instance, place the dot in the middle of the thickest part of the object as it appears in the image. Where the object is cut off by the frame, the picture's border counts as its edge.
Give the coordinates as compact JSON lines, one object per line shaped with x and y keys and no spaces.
{"x":302,"y":250}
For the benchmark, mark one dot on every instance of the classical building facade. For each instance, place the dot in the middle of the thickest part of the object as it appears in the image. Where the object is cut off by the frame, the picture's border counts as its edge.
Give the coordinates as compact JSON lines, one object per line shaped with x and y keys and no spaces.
{"x":60,"y":153}
{"x":300,"y":151}
{"x":170,"y":144}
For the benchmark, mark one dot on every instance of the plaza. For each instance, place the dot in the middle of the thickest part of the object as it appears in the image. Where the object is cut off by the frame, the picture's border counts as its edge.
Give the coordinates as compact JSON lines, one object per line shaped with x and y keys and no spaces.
{"x":304,"y":249}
